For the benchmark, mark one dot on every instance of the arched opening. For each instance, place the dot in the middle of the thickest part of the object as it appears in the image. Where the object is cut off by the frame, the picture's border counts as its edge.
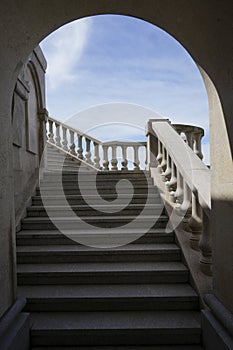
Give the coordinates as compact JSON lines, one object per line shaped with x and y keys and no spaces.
{"x":122,"y":59}
{"x":27,"y":27}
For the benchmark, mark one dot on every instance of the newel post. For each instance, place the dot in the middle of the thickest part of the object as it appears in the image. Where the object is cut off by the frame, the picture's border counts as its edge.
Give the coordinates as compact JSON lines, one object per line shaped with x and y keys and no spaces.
{"x":152,"y":146}
{"x":153,"y":143}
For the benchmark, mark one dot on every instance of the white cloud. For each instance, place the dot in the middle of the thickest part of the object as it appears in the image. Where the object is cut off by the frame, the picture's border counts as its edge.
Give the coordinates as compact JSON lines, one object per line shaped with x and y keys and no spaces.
{"x":64,"y":48}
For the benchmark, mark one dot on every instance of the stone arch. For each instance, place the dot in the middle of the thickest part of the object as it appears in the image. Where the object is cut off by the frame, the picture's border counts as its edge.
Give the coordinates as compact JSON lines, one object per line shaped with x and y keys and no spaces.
{"x":203,"y":31}
{"x":32,"y":68}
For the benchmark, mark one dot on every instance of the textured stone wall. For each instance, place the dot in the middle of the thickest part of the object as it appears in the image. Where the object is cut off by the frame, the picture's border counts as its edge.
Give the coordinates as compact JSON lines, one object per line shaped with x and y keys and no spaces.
{"x":28,"y":100}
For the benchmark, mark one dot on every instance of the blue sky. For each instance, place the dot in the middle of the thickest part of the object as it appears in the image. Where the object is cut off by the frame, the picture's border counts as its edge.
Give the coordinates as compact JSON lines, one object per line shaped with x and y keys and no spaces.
{"x":119,"y":60}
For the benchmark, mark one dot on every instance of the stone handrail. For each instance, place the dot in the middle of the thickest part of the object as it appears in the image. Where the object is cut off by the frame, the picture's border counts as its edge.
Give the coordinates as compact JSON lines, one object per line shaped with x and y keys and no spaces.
{"x":92,"y":151}
{"x":187,"y":183}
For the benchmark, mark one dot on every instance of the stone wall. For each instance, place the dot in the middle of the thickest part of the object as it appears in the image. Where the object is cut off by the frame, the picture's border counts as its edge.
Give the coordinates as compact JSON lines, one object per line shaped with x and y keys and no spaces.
{"x":27,"y":103}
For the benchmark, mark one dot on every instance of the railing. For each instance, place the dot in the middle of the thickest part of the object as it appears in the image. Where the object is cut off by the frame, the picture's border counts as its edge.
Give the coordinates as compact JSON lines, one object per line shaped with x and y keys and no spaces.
{"x":187,"y":180}
{"x":103,"y":156}
{"x":192,"y":135}
{"x":174,"y":150}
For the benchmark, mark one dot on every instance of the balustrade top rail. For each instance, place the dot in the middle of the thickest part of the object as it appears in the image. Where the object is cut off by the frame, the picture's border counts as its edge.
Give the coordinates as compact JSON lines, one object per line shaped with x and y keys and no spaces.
{"x":75,"y":130}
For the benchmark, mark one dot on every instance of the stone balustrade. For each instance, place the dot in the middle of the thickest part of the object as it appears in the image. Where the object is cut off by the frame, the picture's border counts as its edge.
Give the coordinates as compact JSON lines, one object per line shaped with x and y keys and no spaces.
{"x":103,"y":156}
{"x":192,"y":135}
{"x":187,"y":180}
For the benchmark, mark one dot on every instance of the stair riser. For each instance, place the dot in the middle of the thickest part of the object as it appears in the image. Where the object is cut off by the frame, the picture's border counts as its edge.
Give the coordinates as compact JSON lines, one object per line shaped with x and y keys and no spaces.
{"x":97,"y":179}
{"x":67,"y":213}
{"x":80,"y":201}
{"x":117,"y":337}
{"x":107,"y":175}
{"x":56,"y":240}
{"x":97,"y":224}
{"x":101,"y":278}
{"x":100,"y":184}
{"x":155,"y":347}
{"x":51,"y":191}
{"x":68,"y":257}
{"x":114,"y":304}
{"x":57,"y":161}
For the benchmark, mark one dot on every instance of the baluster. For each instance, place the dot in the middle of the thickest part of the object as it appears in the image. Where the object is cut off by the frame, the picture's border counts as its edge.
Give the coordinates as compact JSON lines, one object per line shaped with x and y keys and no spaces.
{"x":189,"y":138}
{"x":72,"y":144}
{"x":185,"y":207}
{"x":97,"y":156}
{"x":179,"y":189}
{"x":197,"y":144}
{"x":195,"y":223}
{"x":159,"y":156}
{"x":136,"y":161}
{"x":205,"y":246}
{"x":171,"y":185}
{"x":80,"y":147}
{"x":50,"y":134}
{"x":57,"y":138}
{"x":114,"y":160}
{"x":124,"y":162}
{"x":88,"y":151}
{"x":146,"y":158}
{"x":64,"y":141}
{"x":166,"y":175}
{"x":105,"y":156}
{"x":163,"y":164}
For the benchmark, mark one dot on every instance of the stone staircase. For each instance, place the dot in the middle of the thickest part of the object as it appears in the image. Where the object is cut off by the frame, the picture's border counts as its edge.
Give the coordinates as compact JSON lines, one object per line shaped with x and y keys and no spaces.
{"x":134,"y":296}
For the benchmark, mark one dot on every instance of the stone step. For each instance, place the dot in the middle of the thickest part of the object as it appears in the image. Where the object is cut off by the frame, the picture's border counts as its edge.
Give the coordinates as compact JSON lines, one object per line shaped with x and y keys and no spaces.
{"x":69,"y":171}
{"x":99,"y":179}
{"x":78,"y":199}
{"x":99,"y":182}
{"x":106,"y":174}
{"x":102,"y":185}
{"x":54,"y":159}
{"x":98,"y":210}
{"x":109,"y":297}
{"x":64,"y":168}
{"x":46,"y":237}
{"x":134,"y":347}
{"x":50,"y":161}
{"x":80,"y":253}
{"x":87,"y":190}
{"x":102,"y":273}
{"x":76,"y":223}
{"x":115,"y":328}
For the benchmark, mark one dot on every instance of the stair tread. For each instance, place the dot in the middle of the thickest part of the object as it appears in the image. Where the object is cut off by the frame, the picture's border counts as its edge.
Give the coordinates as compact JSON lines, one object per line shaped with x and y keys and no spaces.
{"x":160,"y":320}
{"x":125,"y":195}
{"x":115,"y":218}
{"x":94,"y":267}
{"x":147,"y":248}
{"x":110,"y":173}
{"x":100,"y":206}
{"x":70,"y":292}
{"x":146,"y":347}
{"x":159,"y":231}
